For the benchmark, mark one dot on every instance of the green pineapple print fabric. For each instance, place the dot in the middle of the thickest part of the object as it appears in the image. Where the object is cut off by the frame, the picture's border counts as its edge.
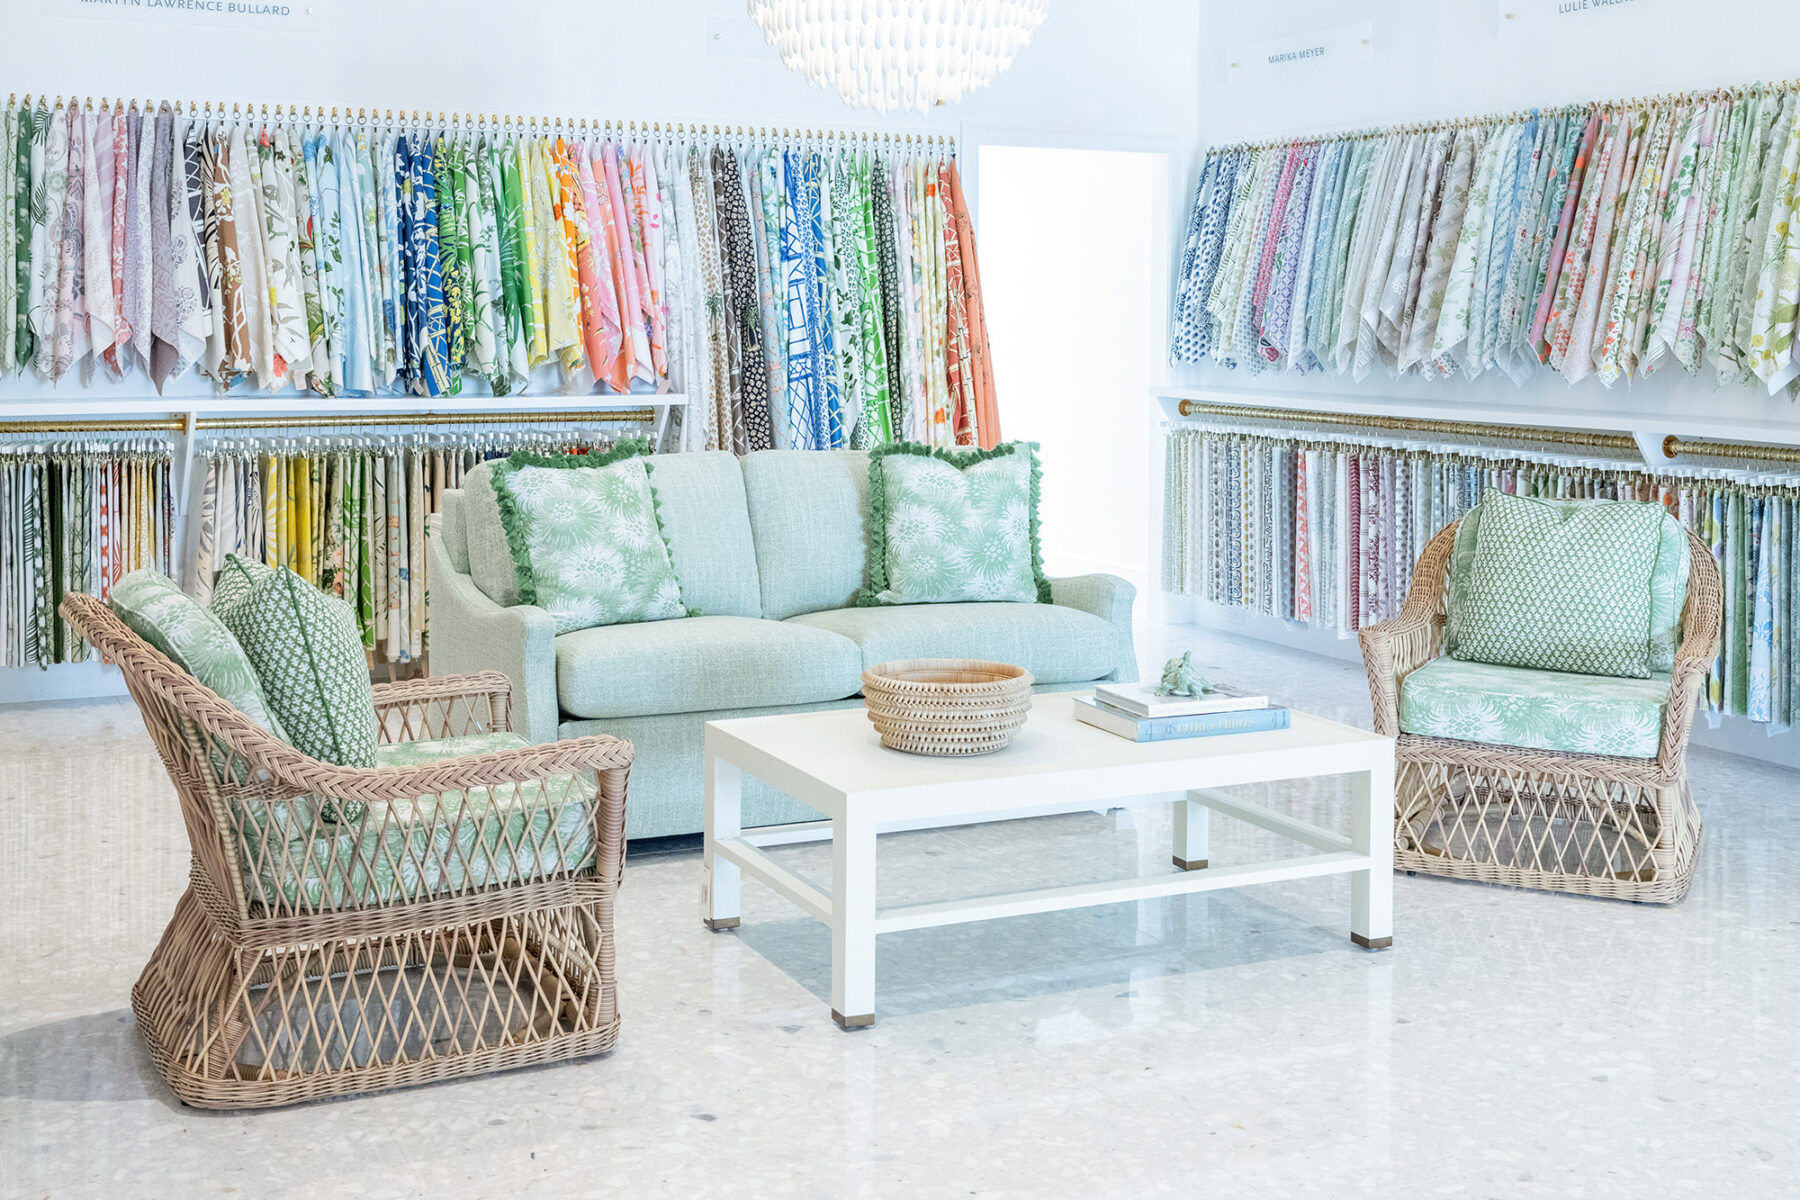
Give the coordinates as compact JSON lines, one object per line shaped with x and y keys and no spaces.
{"x":948,"y":526}
{"x":1561,"y":587}
{"x":585,"y":537}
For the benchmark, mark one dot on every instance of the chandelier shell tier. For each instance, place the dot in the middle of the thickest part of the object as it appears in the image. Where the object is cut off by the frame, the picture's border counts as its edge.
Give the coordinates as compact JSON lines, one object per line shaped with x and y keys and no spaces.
{"x":905,"y":54}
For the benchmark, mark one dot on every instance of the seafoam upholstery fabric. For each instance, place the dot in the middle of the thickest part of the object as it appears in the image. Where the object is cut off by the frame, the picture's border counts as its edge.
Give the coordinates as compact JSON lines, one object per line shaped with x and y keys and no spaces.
{"x":951,"y":526}
{"x":194,"y":639}
{"x":1544,"y":710}
{"x":699,"y":664}
{"x":449,"y":530}
{"x":1561,"y":587}
{"x":489,"y":554}
{"x":304,"y":646}
{"x":585,"y":541}
{"x":437,"y":843}
{"x":809,"y":514}
{"x":1668,"y":584}
{"x":707,"y":523}
{"x":1056,"y":644}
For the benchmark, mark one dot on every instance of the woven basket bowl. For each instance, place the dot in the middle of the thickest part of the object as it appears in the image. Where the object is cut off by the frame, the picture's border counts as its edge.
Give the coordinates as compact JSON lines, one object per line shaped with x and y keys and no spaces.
{"x":946,"y":706}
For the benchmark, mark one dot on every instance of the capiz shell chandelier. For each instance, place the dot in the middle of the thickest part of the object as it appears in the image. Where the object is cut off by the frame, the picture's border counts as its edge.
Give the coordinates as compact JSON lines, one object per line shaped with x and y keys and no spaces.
{"x":888,"y":54}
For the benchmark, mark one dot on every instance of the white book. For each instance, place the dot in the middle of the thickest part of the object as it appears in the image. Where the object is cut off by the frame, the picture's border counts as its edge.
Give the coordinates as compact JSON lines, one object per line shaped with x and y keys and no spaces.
{"x":1140,"y":699}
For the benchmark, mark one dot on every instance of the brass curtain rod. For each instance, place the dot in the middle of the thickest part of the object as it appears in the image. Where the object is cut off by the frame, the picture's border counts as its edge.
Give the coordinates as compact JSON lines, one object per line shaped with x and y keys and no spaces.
{"x":379,"y":118}
{"x":328,"y":421}
{"x":1517,"y":114}
{"x":1554,"y":437}
{"x":1738,"y":451}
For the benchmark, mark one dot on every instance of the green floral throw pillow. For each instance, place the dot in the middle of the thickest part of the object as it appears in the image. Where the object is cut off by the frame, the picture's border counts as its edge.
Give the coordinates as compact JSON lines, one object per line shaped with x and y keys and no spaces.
{"x":949,"y":525}
{"x":586,"y":539}
{"x":1561,"y":587}
{"x":194,"y":639}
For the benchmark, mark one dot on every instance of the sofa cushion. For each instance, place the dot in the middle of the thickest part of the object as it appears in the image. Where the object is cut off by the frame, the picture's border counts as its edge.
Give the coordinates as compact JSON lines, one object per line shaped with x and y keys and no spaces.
{"x":1561,"y":587}
{"x":585,"y":538}
{"x":1056,"y":644}
{"x":809,"y":514}
{"x":707,"y":521}
{"x":436,"y":843}
{"x":1668,"y":584}
{"x":699,"y":664}
{"x":953,"y":525}
{"x":1543,"y":710}
{"x":484,"y":538}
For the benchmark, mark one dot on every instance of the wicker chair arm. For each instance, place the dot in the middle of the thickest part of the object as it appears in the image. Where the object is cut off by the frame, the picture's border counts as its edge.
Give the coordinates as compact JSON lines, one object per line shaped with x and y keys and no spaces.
{"x":1409,"y":639}
{"x":443,"y":706}
{"x":1701,"y":622}
{"x":383,"y":785}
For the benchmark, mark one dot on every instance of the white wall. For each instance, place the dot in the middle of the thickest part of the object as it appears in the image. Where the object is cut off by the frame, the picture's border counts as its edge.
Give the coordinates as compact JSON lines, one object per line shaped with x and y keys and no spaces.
{"x":1447,"y":58}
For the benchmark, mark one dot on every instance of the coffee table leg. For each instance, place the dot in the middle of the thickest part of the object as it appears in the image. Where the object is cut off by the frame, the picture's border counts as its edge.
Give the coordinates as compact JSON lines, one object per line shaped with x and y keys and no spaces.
{"x":1372,"y":833}
{"x":1190,"y":833}
{"x":853,"y":921}
{"x":724,"y":819}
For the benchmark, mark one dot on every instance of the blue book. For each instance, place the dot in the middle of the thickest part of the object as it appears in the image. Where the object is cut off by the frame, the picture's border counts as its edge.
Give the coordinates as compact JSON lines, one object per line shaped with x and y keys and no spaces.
{"x":1162,"y":729}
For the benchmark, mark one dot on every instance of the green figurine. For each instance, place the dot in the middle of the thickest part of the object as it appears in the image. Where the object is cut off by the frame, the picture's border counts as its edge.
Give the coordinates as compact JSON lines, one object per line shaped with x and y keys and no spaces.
{"x":1180,"y":679}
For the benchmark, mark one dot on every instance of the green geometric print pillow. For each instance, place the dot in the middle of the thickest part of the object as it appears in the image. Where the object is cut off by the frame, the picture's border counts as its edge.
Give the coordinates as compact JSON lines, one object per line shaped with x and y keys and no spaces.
{"x":950,"y":525}
{"x":1668,"y":584}
{"x":195,"y":640}
{"x":308,"y":655}
{"x":1561,"y":587}
{"x":586,"y":539}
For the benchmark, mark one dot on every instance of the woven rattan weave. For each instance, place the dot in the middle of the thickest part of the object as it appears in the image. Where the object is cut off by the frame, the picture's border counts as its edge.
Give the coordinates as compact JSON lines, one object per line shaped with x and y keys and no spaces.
{"x":1598,"y":825}
{"x":946,"y":706}
{"x":462,"y":923}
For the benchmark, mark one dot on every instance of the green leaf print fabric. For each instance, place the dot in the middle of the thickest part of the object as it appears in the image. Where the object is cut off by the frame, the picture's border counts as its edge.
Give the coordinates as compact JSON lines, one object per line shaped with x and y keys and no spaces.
{"x":1561,"y":587}
{"x":948,"y":526}
{"x":1544,"y":710}
{"x":437,"y":843}
{"x":586,"y":539}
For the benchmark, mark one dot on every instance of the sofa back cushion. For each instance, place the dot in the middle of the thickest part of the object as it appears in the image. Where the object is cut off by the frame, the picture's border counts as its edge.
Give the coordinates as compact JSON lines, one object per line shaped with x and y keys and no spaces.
{"x":707,"y":521}
{"x":1668,"y":585}
{"x":809,"y":516}
{"x":1561,"y":587}
{"x":489,"y":554}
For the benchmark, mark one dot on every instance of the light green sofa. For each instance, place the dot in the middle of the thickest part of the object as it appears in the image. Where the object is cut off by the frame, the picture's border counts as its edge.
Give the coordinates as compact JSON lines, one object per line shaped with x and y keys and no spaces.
{"x":771,"y":549}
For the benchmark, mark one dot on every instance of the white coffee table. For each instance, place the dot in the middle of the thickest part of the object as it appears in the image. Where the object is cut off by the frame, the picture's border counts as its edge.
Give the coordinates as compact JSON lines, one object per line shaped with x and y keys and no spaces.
{"x":834,"y":762}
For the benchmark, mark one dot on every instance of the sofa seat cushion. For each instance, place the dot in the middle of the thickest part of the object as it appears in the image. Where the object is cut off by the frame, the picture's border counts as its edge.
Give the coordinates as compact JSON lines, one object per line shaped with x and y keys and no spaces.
{"x":1542,"y":710}
{"x":435,"y":844}
{"x":700,"y":664}
{"x":1056,"y":644}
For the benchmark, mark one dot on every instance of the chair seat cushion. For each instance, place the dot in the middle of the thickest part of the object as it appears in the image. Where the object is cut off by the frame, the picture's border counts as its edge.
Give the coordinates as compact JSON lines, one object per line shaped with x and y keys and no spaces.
{"x":1056,"y":644}
{"x":700,"y":664}
{"x":1542,"y":710}
{"x":435,"y":844}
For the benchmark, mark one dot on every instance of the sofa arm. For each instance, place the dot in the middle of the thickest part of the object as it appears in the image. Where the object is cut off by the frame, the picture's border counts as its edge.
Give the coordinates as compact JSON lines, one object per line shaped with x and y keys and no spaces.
{"x":469,"y":632}
{"x":1109,"y":598}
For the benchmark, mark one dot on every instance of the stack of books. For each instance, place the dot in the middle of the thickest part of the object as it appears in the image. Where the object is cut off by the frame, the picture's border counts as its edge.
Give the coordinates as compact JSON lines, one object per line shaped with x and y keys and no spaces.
{"x":1135,"y":711}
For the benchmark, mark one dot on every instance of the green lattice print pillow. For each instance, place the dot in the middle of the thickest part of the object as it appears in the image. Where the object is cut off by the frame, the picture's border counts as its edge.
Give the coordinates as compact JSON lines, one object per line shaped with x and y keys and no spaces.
{"x":949,"y":525}
{"x":1561,"y":587}
{"x":586,"y":539}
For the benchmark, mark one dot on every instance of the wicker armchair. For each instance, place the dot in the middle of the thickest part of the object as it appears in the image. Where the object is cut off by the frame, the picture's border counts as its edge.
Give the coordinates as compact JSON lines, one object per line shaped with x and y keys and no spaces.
{"x":350,"y":929}
{"x":1598,"y":825}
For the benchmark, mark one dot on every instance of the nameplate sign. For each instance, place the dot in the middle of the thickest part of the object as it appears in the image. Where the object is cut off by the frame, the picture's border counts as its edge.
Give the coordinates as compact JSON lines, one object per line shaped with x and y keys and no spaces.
{"x":246,"y":14}
{"x":1511,"y":15}
{"x":1293,"y":53}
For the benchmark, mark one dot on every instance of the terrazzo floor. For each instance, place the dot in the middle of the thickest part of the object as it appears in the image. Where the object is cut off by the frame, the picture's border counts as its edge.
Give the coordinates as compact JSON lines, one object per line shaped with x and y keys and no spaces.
{"x":1233,"y":1044}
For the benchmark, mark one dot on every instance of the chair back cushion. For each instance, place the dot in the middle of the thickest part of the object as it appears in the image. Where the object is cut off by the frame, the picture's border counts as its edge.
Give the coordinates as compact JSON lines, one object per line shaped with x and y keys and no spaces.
{"x":194,"y":640}
{"x":1668,"y":584}
{"x":308,"y":656}
{"x":1561,"y":587}
{"x":809,"y":514}
{"x":707,"y":521}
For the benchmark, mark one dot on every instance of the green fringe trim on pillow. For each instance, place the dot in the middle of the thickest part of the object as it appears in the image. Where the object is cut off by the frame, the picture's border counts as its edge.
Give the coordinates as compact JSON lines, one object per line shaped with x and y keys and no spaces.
{"x":960,"y":459}
{"x":513,"y":521}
